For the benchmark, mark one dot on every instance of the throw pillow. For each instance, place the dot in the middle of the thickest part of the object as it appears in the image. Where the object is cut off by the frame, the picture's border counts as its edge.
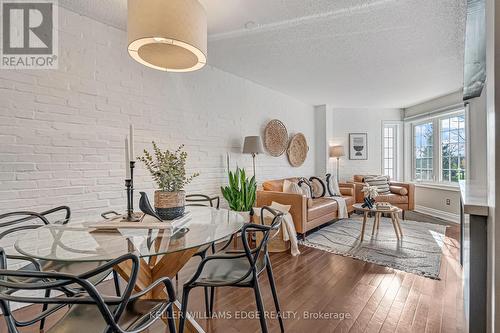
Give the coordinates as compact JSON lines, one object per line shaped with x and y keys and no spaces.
{"x":306,"y":188}
{"x":318,"y":187}
{"x":332,"y":185}
{"x":282,"y":208}
{"x":291,"y":187}
{"x":381,"y":182}
{"x":398,"y":190}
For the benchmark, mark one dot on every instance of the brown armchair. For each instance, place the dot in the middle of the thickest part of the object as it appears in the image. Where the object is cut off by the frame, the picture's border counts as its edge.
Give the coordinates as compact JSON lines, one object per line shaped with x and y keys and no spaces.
{"x":402,"y":194}
{"x":306,"y":213}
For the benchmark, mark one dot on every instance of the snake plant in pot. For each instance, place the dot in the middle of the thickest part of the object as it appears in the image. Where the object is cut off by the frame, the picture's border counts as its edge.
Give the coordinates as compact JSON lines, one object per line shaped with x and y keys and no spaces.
{"x":240,"y":193}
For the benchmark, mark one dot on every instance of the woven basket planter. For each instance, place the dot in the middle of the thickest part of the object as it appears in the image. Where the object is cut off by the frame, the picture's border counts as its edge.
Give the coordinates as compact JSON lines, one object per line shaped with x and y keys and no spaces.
{"x":170,"y":205}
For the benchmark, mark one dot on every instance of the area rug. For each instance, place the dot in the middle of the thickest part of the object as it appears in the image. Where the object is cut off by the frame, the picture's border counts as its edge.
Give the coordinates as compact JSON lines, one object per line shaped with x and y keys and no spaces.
{"x":419,"y":251}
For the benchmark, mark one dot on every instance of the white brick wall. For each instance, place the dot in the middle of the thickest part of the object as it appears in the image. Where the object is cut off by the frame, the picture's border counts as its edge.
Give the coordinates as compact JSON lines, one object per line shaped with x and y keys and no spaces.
{"x":62,"y":132}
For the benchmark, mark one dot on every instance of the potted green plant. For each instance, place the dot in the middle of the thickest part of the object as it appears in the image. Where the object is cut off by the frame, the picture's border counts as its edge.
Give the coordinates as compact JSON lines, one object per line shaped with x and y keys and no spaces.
{"x":168,"y":170}
{"x":240,"y":193}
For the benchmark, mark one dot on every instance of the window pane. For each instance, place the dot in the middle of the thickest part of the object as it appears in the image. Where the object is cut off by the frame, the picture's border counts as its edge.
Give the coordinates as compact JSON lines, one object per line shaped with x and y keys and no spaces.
{"x":423,"y":151}
{"x":453,"y":148}
{"x":454,"y":176}
{"x":462,"y":163}
{"x":446,"y":163}
{"x":446,"y":175}
{"x":389,"y":153}
{"x":445,"y":137}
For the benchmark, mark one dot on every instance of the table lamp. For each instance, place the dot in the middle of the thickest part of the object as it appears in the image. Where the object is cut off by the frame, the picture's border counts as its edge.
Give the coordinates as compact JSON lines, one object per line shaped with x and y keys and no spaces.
{"x":252,"y":145}
{"x":337,"y":152}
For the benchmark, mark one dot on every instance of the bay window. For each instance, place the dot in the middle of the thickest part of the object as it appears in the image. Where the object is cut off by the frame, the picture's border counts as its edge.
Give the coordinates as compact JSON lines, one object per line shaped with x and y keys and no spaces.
{"x":439,"y":148}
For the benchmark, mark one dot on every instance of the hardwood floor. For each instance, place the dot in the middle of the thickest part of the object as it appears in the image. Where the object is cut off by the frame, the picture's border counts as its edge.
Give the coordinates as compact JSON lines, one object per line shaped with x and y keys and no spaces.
{"x":370,"y":298}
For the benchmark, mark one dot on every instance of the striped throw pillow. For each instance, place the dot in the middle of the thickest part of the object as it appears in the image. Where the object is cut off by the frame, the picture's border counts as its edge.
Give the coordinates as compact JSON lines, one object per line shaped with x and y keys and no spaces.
{"x":381,"y":182}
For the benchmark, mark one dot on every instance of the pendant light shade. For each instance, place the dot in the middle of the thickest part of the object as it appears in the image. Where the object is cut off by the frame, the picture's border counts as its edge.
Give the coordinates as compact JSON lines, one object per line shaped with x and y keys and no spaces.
{"x":168,"y":35}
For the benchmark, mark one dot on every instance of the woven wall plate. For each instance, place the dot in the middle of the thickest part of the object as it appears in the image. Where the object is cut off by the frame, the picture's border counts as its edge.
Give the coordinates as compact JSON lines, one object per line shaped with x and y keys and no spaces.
{"x":297,"y":150}
{"x":275,"y":138}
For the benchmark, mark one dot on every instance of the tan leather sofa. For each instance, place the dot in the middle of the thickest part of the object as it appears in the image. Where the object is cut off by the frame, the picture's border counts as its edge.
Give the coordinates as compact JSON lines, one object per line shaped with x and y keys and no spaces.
{"x":306,"y":214}
{"x":405,"y":202}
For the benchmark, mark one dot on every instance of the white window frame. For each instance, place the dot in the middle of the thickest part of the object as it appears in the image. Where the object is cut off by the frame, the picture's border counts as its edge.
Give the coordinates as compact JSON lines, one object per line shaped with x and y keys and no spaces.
{"x":436,"y":156}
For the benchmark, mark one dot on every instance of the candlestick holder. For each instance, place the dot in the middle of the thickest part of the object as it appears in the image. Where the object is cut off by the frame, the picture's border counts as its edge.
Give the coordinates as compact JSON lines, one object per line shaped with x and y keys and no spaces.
{"x":129,"y":184}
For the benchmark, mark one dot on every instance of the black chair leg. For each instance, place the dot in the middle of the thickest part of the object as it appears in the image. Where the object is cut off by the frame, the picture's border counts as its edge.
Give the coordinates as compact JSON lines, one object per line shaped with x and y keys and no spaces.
{"x":212,"y":298}
{"x":176,"y":283}
{"x":44,"y":308}
{"x":207,"y":302}
{"x":260,"y":307}
{"x":170,"y":318}
{"x":117,"y":284}
{"x":183,"y":313}
{"x":275,"y":294}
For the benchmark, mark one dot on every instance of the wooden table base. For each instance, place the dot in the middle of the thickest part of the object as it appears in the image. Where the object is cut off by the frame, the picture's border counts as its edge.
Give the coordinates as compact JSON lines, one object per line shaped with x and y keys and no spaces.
{"x":167,"y":265}
{"x":376,"y":223}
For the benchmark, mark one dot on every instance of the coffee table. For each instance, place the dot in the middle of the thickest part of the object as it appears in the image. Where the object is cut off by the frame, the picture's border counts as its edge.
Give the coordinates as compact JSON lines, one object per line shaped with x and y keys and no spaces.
{"x":393,"y":213}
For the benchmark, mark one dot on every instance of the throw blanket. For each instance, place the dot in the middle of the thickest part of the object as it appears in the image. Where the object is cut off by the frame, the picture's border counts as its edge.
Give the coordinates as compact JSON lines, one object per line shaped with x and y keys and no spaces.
{"x":342,"y":206}
{"x":289,"y":232}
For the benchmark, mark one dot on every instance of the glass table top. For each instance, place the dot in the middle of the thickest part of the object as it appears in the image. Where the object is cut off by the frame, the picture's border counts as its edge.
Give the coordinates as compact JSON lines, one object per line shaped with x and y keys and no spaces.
{"x":78,"y":242}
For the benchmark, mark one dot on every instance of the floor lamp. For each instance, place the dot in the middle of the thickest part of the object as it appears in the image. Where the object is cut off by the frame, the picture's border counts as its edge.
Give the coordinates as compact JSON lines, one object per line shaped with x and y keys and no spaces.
{"x":337,"y":152}
{"x":252,"y":145}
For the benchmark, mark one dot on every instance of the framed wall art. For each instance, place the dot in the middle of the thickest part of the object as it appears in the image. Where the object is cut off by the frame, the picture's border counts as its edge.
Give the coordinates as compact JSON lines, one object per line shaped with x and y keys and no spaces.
{"x":358,"y":146}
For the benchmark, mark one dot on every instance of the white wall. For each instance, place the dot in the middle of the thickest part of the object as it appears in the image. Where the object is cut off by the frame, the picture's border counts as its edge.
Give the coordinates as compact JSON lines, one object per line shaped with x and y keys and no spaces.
{"x":62,"y":132}
{"x":368,"y":121}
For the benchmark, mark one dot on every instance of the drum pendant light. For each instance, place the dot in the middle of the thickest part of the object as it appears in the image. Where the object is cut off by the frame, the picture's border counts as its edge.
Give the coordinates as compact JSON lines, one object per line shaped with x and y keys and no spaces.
{"x":168,"y":35}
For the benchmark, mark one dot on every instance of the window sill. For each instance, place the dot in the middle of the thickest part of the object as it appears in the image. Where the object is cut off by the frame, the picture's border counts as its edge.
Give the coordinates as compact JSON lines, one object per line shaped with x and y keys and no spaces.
{"x":438,"y":186}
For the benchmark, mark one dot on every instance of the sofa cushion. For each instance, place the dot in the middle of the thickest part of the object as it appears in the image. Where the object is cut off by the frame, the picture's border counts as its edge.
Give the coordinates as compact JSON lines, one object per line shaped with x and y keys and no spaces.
{"x":273,"y":185}
{"x":277,"y":184}
{"x":398,"y":190}
{"x":392,"y":198}
{"x":321,"y":207}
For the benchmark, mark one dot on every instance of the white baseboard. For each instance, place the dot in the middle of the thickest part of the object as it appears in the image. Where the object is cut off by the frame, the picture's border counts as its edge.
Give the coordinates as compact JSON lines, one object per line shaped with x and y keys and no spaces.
{"x":450,"y":217}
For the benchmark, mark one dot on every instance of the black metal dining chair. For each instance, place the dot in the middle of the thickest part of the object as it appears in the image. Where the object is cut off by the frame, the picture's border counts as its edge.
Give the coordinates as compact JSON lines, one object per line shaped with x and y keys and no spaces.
{"x":239,"y":268}
{"x":18,"y":222}
{"x":202,"y":200}
{"x":89,"y":311}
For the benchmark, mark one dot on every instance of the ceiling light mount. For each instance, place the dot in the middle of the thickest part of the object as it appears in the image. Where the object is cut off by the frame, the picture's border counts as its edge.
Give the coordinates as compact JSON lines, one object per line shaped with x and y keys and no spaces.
{"x":168,"y":35}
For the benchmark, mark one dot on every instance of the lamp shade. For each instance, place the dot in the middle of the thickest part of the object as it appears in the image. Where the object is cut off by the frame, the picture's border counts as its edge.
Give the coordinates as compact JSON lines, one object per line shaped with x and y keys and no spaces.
{"x":168,"y":35}
{"x":337,"y":151}
{"x":252,"y":145}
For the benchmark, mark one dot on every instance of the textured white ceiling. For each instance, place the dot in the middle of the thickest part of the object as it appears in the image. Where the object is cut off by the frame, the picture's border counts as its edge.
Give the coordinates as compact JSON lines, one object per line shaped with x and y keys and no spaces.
{"x":347,"y":53}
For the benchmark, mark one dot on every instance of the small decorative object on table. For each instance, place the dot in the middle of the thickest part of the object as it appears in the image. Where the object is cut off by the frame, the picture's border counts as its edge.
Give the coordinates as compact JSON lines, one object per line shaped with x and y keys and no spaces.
{"x":383,"y":206}
{"x":240,"y":193}
{"x":168,"y":170}
{"x":370,"y":194}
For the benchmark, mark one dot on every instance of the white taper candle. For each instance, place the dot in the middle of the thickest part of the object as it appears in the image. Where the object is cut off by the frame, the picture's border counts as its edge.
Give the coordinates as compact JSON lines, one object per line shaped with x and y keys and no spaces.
{"x":131,"y":136}
{"x":127,"y":160}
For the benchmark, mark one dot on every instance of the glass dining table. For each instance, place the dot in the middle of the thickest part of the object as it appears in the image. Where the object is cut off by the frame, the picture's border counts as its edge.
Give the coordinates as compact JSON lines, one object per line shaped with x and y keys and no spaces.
{"x":162,"y":252}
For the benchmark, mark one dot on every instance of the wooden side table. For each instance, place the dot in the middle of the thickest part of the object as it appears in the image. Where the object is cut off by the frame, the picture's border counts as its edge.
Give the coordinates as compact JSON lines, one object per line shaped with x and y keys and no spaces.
{"x":393,"y":213}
